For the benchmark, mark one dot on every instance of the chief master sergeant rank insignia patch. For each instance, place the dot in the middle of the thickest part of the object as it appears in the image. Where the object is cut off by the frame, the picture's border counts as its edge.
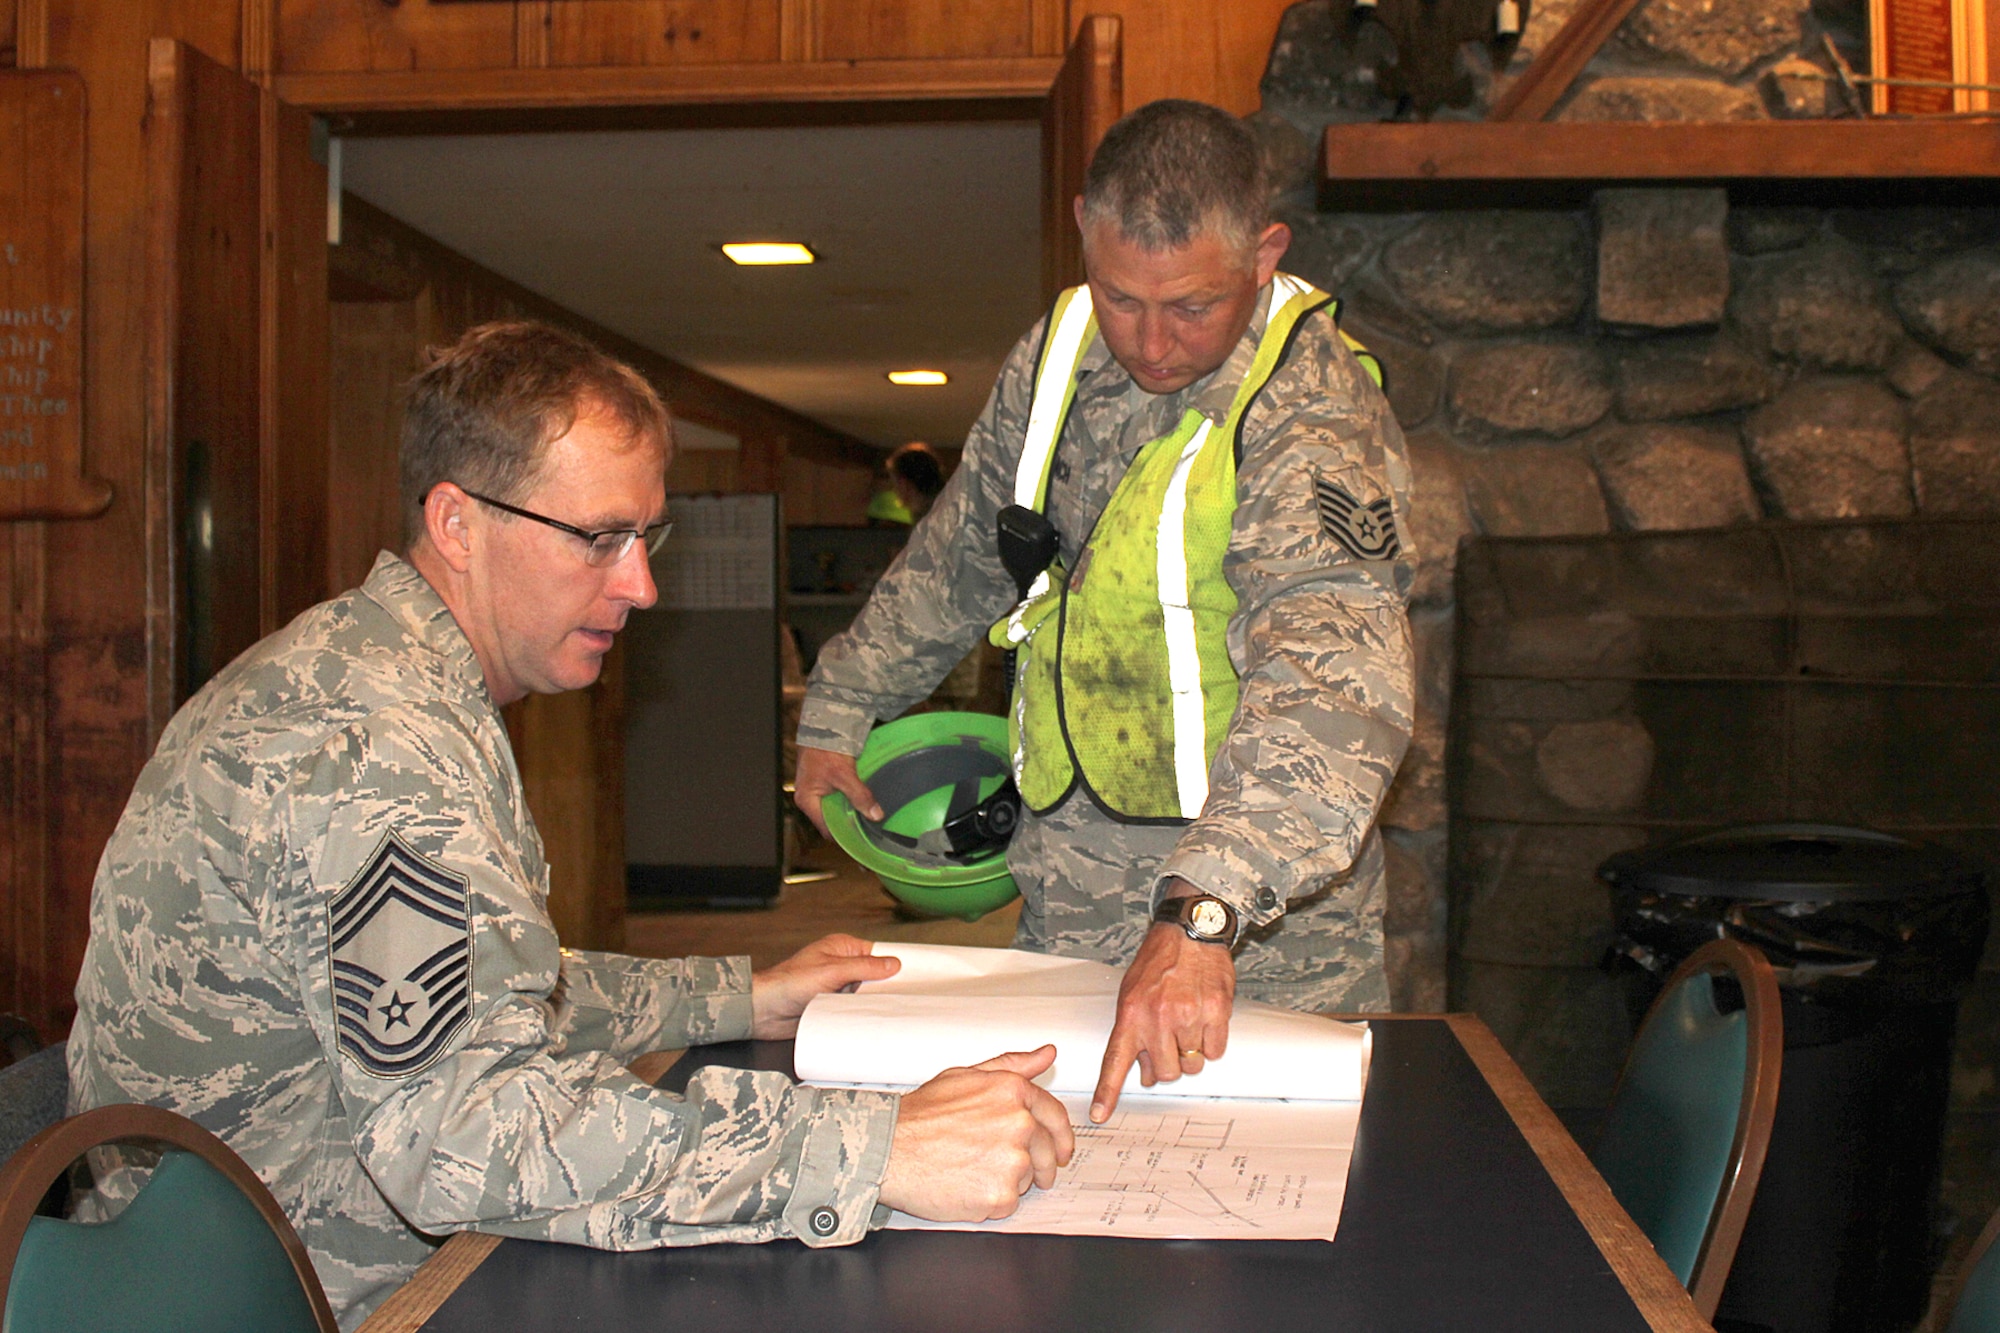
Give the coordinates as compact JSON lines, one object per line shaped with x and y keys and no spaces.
{"x":1364,"y":531}
{"x":402,"y":954}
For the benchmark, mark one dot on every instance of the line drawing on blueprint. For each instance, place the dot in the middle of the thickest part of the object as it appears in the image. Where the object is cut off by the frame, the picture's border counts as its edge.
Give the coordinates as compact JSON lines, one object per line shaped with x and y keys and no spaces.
{"x":1192,"y":1168}
{"x":1138,"y":1170}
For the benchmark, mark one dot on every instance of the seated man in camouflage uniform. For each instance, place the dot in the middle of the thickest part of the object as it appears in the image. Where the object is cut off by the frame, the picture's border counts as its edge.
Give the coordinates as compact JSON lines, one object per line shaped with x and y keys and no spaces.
{"x":320,"y":928}
{"x":1214,"y":685}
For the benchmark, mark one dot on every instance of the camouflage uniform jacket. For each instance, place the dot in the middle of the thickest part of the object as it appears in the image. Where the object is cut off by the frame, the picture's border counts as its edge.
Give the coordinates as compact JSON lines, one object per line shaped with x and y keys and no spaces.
{"x":1320,"y":642}
{"x":341,"y":797}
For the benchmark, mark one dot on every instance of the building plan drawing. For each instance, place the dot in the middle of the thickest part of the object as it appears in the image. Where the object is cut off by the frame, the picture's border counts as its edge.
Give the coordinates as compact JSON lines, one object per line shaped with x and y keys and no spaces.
{"x":1176,"y":1161}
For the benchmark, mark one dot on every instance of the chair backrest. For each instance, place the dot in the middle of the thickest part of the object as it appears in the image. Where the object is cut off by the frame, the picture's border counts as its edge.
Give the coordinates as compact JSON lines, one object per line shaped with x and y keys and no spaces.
{"x":203,"y":1247}
{"x":1974,"y":1306}
{"x":1686,"y":1134}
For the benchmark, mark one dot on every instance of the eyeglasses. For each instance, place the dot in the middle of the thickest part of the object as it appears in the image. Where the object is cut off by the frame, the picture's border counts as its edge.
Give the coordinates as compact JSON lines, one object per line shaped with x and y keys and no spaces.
{"x":606,"y":548}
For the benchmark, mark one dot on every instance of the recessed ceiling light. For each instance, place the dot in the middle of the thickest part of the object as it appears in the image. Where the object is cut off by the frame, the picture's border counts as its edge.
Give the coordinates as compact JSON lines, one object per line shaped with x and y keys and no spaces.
{"x":918,"y":377}
{"x":769,"y":252}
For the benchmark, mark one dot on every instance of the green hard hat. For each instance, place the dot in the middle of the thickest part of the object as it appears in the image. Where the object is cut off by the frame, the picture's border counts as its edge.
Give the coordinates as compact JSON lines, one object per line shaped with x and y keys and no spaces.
{"x":948,"y":810}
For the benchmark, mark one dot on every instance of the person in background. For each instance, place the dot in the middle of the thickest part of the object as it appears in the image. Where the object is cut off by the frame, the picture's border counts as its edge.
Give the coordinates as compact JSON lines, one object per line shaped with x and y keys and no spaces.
{"x":915,"y":476}
{"x":321,"y":928}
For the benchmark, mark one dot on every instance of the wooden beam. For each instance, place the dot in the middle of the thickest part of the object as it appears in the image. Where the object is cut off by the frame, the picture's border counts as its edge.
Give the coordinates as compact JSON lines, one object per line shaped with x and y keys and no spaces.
{"x":1542,"y":84}
{"x":1409,"y":164}
{"x":668,"y":85}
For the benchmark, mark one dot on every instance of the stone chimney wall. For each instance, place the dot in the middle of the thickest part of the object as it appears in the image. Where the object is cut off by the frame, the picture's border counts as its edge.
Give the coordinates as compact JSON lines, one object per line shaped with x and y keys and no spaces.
{"x":1662,"y":359}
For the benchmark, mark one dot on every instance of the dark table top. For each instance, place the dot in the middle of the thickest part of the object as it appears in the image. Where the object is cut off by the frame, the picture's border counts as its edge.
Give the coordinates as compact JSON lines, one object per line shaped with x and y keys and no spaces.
{"x":1451,"y":1221}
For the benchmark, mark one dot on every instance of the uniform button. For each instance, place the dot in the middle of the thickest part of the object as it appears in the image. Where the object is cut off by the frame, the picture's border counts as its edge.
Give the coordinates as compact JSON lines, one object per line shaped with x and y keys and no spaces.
{"x":823,"y":1221}
{"x":1267,"y":898}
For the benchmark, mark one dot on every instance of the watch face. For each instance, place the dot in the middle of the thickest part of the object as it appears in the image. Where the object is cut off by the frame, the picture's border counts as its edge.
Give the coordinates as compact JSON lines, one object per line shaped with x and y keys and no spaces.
{"x":1211,"y":918}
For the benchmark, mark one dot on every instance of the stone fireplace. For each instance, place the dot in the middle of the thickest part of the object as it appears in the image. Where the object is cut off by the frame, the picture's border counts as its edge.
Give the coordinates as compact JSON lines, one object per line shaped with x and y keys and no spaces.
{"x":1703,"y":490}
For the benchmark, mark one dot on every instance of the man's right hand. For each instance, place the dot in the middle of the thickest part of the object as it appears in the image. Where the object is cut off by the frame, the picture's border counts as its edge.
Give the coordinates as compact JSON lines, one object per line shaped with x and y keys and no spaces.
{"x":970,"y":1142}
{"x":825,"y":771}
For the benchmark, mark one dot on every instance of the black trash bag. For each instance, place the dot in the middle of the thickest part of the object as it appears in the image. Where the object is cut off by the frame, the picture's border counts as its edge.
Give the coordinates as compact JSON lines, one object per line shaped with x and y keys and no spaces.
{"x":1846,"y":916}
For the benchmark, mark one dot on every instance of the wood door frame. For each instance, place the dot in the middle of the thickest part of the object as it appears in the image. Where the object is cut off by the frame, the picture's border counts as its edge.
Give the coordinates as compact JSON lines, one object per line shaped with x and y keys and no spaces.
{"x":1064,"y":93}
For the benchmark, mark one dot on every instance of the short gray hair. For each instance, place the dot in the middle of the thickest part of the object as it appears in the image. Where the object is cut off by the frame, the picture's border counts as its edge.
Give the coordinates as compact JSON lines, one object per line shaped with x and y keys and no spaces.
{"x":1175,"y":169}
{"x":483,"y":411}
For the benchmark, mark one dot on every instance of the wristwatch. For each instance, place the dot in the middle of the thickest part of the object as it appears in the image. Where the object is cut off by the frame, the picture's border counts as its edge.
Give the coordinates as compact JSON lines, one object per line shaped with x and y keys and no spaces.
{"x":1206,"y":918}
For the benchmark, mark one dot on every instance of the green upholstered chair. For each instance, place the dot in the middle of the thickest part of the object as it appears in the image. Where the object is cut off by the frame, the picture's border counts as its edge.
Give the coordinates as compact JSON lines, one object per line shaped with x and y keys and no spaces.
{"x":204,"y":1247}
{"x":1975,"y":1306}
{"x":1685,"y":1137}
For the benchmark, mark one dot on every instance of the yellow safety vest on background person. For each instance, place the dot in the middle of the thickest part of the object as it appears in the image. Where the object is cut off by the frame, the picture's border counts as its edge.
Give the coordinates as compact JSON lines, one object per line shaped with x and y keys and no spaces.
{"x":1124,"y":681}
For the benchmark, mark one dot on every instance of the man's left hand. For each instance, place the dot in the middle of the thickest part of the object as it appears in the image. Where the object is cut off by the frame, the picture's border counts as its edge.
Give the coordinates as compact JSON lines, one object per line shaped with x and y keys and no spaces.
{"x":778,"y":995}
{"x":1173,"y":1013}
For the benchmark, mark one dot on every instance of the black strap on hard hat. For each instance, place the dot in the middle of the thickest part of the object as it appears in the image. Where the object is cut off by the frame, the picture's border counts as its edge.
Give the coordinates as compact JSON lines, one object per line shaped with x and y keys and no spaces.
{"x":973,"y":827}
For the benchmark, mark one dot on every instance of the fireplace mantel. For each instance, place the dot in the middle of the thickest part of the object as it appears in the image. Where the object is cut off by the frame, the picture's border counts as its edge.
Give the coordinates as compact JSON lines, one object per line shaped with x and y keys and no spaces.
{"x":1455,"y":163}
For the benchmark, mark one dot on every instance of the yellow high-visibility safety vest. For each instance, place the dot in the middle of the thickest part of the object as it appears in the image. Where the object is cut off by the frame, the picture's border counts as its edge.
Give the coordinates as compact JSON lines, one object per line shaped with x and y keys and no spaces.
{"x":1123,"y":682}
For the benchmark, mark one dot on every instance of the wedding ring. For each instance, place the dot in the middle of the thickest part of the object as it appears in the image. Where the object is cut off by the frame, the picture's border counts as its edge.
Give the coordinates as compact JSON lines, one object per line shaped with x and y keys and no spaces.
{"x":1190,"y":1055}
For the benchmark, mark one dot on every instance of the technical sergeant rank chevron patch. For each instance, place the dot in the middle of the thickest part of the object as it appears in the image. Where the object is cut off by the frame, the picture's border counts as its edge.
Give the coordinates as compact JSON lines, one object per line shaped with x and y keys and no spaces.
{"x":402,"y":957}
{"x":1364,"y":531}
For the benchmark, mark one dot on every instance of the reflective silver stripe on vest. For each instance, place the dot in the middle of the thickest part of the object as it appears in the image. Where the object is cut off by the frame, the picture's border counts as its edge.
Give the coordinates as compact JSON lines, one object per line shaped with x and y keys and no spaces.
{"x":1183,"y":656}
{"x":1045,"y":415}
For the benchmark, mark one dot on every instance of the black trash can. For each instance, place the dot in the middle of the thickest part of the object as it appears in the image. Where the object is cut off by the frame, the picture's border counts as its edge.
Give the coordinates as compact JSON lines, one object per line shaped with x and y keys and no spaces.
{"x":1874,"y":939}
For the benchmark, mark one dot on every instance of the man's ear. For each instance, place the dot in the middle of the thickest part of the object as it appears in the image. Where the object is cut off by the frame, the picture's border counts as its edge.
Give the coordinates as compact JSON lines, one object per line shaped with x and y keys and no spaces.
{"x":1076,"y":211}
{"x":446,"y":515}
{"x":1271,"y":247}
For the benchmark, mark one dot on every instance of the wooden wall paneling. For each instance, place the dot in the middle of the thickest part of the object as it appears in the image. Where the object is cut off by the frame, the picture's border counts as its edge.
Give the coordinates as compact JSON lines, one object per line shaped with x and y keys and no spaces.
{"x":373,"y":349}
{"x":295,"y":369}
{"x":663,"y":32}
{"x":9,"y":28}
{"x":207,"y":123}
{"x":1209,"y":50}
{"x":356,"y":35}
{"x":1087,"y":97}
{"x":798,"y":29}
{"x":1048,"y":26}
{"x":42,"y":176}
{"x":917,"y":29}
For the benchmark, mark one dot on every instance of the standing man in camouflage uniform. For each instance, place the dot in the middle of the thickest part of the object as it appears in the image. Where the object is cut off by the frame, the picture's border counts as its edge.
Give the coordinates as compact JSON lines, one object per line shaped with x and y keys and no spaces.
{"x":1187,"y":369}
{"x":320,"y":928}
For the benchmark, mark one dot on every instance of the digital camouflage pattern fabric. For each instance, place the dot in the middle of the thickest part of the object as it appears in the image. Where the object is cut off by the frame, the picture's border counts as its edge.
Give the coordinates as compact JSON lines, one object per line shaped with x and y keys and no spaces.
{"x":320,"y":930}
{"x":1320,"y":641}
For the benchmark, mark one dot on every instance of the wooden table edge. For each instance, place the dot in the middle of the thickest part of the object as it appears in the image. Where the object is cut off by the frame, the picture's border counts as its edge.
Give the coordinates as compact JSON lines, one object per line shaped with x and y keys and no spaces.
{"x":1661,"y":1298}
{"x":418,"y":1299}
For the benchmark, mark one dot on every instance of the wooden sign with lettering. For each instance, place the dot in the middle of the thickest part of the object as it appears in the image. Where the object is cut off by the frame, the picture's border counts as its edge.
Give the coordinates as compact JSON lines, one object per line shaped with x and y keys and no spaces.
{"x":41,"y":299}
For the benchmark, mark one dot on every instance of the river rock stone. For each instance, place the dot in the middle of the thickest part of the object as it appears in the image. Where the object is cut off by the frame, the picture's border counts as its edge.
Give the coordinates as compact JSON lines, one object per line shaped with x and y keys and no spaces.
{"x":1545,"y":388}
{"x":1662,"y":260}
{"x":1440,"y":516}
{"x":1724,"y":37}
{"x":1955,"y":446}
{"x":1288,"y":156}
{"x":1915,"y":369}
{"x":1662,"y":477}
{"x":1821,"y":305}
{"x":1687,"y":99}
{"x":1323,"y":63}
{"x":1759,"y":231}
{"x":1903,"y":240}
{"x":1534,"y":490}
{"x":1326,"y":248}
{"x":1831,"y":447}
{"x":1690,"y":377}
{"x":1412,"y":376}
{"x":1493,"y":270}
{"x":1598,"y":766}
{"x":1954,"y":305}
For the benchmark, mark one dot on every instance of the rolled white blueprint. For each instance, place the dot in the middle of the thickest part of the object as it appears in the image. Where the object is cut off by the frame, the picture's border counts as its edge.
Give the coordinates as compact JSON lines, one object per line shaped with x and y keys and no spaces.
{"x":951,"y":1005}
